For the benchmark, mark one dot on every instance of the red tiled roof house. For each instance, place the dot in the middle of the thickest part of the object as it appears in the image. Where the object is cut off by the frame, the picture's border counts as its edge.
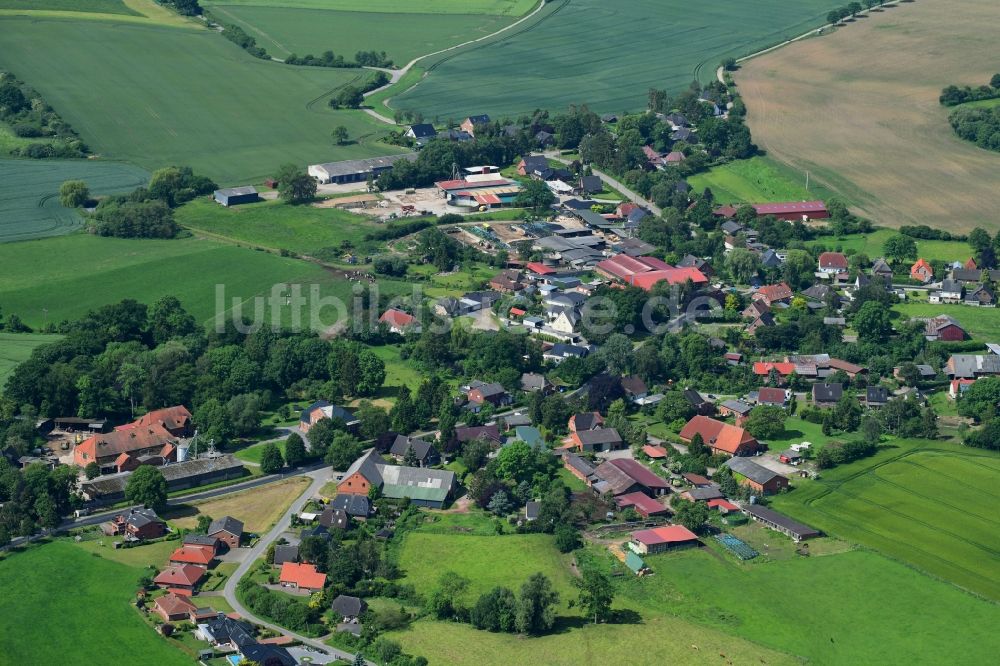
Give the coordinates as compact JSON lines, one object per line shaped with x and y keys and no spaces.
{"x":719,"y":436}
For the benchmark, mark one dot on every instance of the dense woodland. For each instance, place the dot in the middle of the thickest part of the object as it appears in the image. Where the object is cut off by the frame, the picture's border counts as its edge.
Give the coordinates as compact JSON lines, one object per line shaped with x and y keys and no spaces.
{"x":981,"y":126}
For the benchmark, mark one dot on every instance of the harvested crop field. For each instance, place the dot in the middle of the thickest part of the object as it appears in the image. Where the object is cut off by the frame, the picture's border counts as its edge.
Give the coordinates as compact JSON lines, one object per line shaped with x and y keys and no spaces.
{"x":859,"y":109}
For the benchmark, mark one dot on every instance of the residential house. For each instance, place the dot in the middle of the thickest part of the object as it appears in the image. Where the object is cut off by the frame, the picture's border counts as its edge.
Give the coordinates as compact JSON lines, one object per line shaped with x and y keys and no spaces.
{"x":662,"y":539}
{"x":957,"y":387}
{"x":765,"y":320}
{"x":399,"y":322}
{"x":620,"y":476}
{"x":852,"y":370}
{"x":507,"y":281}
{"x":227,"y":530}
{"x":421,"y":133}
{"x":780,"y":370}
{"x":512,"y":421}
{"x":719,"y":436}
{"x":136,"y":525}
{"x":585,"y":421}
{"x":331,"y":518}
{"x":481,"y":393}
{"x":645,"y":505}
{"x":945,"y":329}
{"x":531,"y":382}
{"x":590,"y":185}
{"x":564,"y":320}
{"x":972,"y":366}
{"x":876,"y":397}
{"x":545,"y":139}
{"x":673,"y":158}
{"x":355,"y":506}
{"x":425,"y":487}
{"x":634,"y":387}
{"x":530,"y":435}
{"x":173,"y":607}
{"x":773,"y":293}
{"x":769,"y":258}
{"x":736,"y":408}
{"x":698,"y":402}
{"x":697,"y":480}
{"x":775,"y":397}
{"x":924,"y":372}
{"x":181,"y":579}
{"x":951,"y":291}
{"x":285,"y":553}
{"x":980,"y":295}
{"x":827,"y":395}
{"x":301,"y":576}
{"x":559,"y":352}
{"x":321,"y":409}
{"x":780,"y":522}
{"x":756,"y":309}
{"x":921,"y":271}
{"x":758,"y":478}
{"x":423,"y":452}
{"x":349,"y":608}
{"x":882,"y":269}
{"x":532,"y":164}
{"x":469,"y":124}
{"x":602,"y":439}
{"x":832,"y":263}
{"x":966,"y":275}
{"x":490,"y":433}
{"x":137,"y":441}
{"x":691,"y":261}
{"x":192,"y":539}
{"x":199,"y":556}
{"x":818,"y":292}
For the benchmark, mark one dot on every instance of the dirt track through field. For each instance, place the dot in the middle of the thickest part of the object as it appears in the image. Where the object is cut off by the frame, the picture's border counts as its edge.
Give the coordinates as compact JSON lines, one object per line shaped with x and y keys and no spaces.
{"x":859,"y":110}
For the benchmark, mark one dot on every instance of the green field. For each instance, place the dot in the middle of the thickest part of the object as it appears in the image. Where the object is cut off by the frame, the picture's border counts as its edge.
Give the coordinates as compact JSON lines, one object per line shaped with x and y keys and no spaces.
{"x":575,"y":52}
{"x":17,"y":347}
{"x":277,"y":225}
{"x":929,"y":504}
{"x":982,"y":324}
{"x":403,"y":35}
{"x":62,"y":278}
{"x":97,"y":6}
{"x":756,"y":180}
{"x":250,"y":116}
{"x":499,"y":7}
{"x":29,"y":193}
{"x":850,"y":608}
{"x":62,"y":605}
{"x":872,"y":245}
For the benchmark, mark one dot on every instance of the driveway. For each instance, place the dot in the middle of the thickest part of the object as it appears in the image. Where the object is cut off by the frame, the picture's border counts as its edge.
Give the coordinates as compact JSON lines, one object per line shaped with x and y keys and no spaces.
{"x":320,"y":478}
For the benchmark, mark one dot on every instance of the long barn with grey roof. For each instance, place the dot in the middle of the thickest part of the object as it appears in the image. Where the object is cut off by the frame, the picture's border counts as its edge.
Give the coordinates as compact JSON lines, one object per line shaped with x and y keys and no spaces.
{"x":356,"y":171}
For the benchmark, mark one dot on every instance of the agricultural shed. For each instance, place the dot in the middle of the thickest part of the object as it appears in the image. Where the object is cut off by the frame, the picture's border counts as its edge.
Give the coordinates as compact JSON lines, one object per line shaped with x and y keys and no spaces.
{"x":232,"y":196}
{"x":780,"y":522}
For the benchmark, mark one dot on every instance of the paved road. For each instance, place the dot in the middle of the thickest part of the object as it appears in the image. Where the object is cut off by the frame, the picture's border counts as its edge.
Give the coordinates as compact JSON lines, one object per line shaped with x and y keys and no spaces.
{"x":633,"y":196}
{"x":319,"y":477}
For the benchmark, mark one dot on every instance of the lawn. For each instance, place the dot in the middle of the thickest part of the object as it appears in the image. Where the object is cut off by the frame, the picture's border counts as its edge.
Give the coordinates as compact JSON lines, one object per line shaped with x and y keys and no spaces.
{"x":258,"y":508}
{"x":60,"y":278}
{"x":756,"y":180}
{"x":17,"y":347}
{"x":872,"y":244}
{"x":848,"y":608}
{"x":402,"y":35}
{"x":276,"y":225}
{"x":981,"y":323}
{"x":251,"y":116}
{"x":156,"y":554}
{"x":253,"y":453}
{"x":439,"y":285}
{"x":29,"y":193}
{"x":572,"y":53}
{"x":877,"y":135}
{"x":398,"y":372}
{"x":62,"y":605}
{"x":928,"y":504}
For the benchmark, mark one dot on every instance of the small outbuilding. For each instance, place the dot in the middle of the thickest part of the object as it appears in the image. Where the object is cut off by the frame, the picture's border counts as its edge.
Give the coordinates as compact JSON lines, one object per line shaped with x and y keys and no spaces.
{"x":232,"y":196}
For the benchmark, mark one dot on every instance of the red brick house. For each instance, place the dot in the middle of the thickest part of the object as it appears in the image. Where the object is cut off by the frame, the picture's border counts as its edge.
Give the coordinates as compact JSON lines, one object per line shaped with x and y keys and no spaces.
{"x":302,"y":577}
{"x":182,"y":579}
{"x":105,"y":448}
{"x":199,"y":556}
{"x":921,"y":271}
{"x":758,"y":478}
{"x":399,"y":321}
{"x":176,"y":420}
{"x":137,"y":524}
{"x":832,"y":262}
{"x":585,"y":421}
{"x":227,"y":530}
{"x":173,"y":608}
{"x":719,"y":436}
{"x":773,"y":293}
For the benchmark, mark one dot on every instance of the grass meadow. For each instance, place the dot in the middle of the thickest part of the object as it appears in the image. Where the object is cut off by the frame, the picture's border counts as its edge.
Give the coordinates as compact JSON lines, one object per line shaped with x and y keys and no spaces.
{"x":61,"y":604}
{"x":251,"y":116}
{"x":29,"y":193}
{"x":928,"y":504}
{"x":982,"y":324}
{"x":876,"y":134}
{"x":402,"y":35}
{"x":17,"y":347}
{"x":60,"y":278}
{"x":572,"y":53}
{"x":258,"y":508}
{"x":97,"y":6}
{"x":756,"y":180}
{"x":276,"y":225}
{"x":873,"y":245}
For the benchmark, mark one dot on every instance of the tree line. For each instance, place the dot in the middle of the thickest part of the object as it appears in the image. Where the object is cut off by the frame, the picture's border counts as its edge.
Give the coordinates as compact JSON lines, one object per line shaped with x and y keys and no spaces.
{"x":29,"y":116}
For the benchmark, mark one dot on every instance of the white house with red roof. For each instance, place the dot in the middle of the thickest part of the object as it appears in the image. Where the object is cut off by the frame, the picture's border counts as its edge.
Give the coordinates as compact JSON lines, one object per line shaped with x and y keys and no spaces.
{"x":399,"y":321}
